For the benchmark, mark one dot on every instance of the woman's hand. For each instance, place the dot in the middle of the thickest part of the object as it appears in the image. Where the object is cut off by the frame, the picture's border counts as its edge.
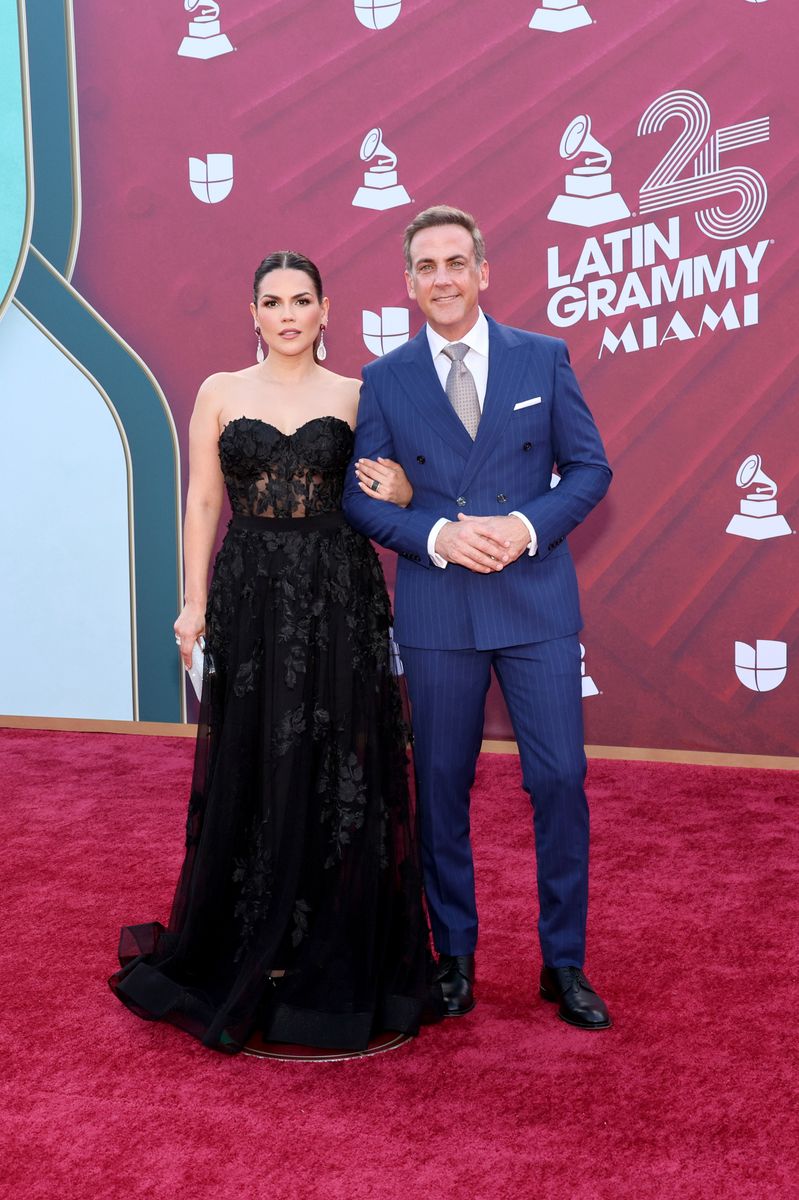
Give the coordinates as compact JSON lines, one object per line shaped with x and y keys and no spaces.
{"x":384,"y":480}
{"x":189,"y":626}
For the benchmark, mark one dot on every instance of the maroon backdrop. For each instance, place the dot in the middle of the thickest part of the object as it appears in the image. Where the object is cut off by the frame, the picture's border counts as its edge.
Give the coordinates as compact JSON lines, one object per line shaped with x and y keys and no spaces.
{"x":474,"y":104}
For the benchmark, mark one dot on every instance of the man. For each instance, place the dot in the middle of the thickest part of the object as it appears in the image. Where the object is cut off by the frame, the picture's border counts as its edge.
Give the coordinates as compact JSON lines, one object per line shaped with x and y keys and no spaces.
{"x":476,"y":413}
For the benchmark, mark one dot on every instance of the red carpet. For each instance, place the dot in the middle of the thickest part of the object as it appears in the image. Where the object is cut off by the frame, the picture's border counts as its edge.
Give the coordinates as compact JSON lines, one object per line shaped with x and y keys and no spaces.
{"x":692,"y":939}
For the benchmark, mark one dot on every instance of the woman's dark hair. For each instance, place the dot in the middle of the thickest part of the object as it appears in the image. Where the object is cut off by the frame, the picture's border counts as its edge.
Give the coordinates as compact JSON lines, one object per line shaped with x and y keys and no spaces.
{"x":288,"y":260}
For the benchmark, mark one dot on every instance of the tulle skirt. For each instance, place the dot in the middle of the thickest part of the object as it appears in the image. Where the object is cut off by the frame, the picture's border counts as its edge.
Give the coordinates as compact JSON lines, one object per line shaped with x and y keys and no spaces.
{"x":298,"y":914}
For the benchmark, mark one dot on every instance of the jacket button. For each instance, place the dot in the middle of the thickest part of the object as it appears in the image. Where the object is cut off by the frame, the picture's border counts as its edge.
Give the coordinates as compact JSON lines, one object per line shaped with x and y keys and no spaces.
{"x":502,"y":498}
{"x":420,"y":458}
{"x":461,"y":501}
{"x":527,"y":446}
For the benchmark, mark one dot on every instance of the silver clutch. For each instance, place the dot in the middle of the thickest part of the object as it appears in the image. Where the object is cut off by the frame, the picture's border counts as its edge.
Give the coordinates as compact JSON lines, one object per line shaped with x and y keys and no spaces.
{"x":196,"y":669}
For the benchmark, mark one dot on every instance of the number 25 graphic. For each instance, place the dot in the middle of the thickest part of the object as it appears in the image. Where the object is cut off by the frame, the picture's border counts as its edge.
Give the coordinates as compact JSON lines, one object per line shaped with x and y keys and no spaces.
{"x":665,"y":189}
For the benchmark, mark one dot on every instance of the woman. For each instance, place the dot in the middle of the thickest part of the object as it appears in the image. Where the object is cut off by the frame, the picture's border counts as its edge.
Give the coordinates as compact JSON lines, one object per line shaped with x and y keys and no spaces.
{"x":298,"y":915}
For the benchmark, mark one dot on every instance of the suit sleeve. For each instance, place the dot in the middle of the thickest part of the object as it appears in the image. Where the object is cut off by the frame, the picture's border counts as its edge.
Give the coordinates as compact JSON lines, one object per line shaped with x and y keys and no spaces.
{"x":402,"y":529}
{"x":579,"y":456}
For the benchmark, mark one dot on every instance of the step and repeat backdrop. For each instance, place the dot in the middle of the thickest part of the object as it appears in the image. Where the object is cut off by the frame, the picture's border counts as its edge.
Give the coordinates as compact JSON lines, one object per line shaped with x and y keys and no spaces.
{"x":633,"y":167}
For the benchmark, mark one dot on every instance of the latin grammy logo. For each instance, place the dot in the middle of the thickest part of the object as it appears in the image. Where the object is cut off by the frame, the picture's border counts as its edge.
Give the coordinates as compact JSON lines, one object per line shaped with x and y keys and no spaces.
{"x":758,"y":517}
{"x":589,"y":688}
{"x":380,"y":187}
{"x":377,"y":14}
{"x":385,"y":330}
{"x":588,"y":198}
{"x":205,"y":38}
{"x":558,"y":16}
{"x":211,"y":178}
{"x":761,"y":667}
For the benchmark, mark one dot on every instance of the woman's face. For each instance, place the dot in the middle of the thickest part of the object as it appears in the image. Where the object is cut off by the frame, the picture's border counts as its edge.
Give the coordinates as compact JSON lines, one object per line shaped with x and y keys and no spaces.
{"x":289,"y":313}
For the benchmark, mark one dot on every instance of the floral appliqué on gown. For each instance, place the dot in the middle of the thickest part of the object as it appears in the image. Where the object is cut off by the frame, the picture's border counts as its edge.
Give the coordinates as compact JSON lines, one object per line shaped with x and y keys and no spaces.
{"x":298,"y":913}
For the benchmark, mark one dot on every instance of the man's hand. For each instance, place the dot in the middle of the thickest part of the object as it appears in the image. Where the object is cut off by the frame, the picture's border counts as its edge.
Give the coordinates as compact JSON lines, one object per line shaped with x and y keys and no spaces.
{"x":473,"y":542}
{"x":508,"y":532}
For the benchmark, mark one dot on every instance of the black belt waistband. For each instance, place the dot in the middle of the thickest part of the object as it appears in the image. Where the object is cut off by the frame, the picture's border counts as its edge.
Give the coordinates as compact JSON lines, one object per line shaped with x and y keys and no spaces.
{"x":329,"y":520}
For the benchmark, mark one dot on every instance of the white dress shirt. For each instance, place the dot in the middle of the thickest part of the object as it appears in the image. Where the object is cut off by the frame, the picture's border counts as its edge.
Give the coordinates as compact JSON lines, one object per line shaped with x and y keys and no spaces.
{"x":476,"y":359}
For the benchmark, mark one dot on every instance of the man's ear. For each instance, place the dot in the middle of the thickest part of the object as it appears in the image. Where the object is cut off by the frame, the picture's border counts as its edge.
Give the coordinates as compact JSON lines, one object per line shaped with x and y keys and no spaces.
{"x":409,"y":285}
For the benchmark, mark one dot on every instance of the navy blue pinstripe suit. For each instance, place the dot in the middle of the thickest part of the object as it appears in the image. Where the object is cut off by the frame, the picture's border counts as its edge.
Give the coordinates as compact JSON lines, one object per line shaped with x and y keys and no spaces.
{"x":453,"y":625}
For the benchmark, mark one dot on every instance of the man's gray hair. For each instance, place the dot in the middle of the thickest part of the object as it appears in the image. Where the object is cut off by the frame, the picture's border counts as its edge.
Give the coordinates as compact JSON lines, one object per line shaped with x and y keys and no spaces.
{"x":443,"y":214}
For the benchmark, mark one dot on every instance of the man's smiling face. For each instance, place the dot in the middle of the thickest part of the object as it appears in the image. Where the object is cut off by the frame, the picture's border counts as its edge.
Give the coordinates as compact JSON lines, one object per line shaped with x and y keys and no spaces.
{"x":445,"y":280}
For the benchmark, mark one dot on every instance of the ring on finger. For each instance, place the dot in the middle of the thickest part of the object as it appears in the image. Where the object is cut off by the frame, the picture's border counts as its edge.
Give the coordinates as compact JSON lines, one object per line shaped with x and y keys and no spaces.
{"x":375,"y":485}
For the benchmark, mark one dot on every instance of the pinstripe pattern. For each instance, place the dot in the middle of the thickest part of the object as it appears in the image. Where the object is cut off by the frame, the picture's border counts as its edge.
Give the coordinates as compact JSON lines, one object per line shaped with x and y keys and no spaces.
{"x":541,"y":686}
{"x":453,"y":624}
{"x":405,"y":415}
{"x":447,"y":738}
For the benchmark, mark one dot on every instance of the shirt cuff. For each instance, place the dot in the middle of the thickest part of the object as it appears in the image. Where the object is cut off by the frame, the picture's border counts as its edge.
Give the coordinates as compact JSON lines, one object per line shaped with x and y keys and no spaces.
{"x":436,"y":559}
{"x":533,"y":543}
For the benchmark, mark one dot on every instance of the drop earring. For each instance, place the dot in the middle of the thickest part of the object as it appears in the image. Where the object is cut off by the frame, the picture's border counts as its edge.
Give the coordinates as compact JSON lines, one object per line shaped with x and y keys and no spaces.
{"x":259,"y":352}
{"x":321,"y":349}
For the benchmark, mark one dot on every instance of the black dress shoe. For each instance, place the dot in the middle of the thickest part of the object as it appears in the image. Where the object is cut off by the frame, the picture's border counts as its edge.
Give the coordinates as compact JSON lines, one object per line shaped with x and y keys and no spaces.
{"x":456,"y":977}
{"x":578,"y":1002}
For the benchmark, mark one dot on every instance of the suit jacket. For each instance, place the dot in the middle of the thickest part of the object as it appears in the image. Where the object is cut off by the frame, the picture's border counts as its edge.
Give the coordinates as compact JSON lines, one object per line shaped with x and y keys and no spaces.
{"x":405,"y":415}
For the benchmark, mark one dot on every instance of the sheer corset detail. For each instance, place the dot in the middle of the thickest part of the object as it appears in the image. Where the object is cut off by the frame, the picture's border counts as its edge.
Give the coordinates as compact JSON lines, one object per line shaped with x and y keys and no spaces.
{"x":298,"y":915}
{"x":269,"y":473}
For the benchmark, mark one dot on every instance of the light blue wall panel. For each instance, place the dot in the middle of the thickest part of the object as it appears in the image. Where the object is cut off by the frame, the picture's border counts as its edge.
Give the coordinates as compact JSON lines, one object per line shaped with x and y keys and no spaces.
{"x":65,"y":598}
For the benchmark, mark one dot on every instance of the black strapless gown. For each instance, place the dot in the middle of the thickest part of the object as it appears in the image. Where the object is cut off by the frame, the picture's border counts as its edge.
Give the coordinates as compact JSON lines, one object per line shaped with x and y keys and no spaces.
{"x":301,"y":842}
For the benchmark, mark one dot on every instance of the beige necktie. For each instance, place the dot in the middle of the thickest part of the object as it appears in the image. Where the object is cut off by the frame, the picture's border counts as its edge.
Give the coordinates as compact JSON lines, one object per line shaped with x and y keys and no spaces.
{"x":461,"y":388}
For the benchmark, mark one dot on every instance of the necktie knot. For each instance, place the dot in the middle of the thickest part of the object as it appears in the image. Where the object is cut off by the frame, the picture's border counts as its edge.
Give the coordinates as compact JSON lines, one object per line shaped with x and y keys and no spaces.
{"x":456,"y":351}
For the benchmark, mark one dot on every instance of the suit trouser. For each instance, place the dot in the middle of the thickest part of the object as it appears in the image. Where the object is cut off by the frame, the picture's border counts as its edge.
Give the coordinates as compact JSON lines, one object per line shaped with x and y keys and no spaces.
{"x":542,"y":690}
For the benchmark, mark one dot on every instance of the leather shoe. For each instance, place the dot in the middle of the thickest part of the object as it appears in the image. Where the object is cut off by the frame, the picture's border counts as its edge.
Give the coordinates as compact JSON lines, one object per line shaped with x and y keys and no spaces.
{"x":456,"y":977}
{"x":578,"y":1002}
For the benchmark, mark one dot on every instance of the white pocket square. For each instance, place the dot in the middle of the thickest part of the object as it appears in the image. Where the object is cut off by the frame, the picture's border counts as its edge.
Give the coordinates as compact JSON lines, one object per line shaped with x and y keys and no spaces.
{"x":527,"y":403}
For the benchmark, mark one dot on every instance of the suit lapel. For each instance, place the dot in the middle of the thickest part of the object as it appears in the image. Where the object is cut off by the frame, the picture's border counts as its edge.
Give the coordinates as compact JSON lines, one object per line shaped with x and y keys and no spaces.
{"x":416,"y":373}
{"x":506,"y":365}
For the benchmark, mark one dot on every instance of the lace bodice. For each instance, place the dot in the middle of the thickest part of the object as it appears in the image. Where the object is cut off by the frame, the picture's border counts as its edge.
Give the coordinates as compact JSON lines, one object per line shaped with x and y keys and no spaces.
{"x":273,"y":474}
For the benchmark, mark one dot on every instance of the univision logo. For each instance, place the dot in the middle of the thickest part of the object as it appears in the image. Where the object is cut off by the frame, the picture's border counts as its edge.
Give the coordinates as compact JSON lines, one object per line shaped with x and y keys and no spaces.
{"x":761,"y":667}
{"x":385,"y":330}
{"x":377,"y":14}
{"x":211,"y":178}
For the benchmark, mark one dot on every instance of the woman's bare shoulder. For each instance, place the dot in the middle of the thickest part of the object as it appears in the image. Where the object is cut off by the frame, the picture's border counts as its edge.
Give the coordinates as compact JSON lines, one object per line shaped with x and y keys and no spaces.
{"x":343,"y":393}
{"x":222,"y":382}
{"x":222,"y":388}
{"x":342,"y":384}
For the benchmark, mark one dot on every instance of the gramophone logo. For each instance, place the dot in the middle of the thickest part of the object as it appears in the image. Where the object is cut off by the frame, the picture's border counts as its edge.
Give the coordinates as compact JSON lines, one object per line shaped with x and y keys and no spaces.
{"x":761,"y":667}
{"x":211,"y":178}
{"x":377,"y":14}
{"x":589,"y":688}
{"x":205,"y":38}
{"x":385,"y":330}
{"x":380,"y":188}
{"x":758,"y":517}
{"x":588,"y":198}
{"x":558,"y":16}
